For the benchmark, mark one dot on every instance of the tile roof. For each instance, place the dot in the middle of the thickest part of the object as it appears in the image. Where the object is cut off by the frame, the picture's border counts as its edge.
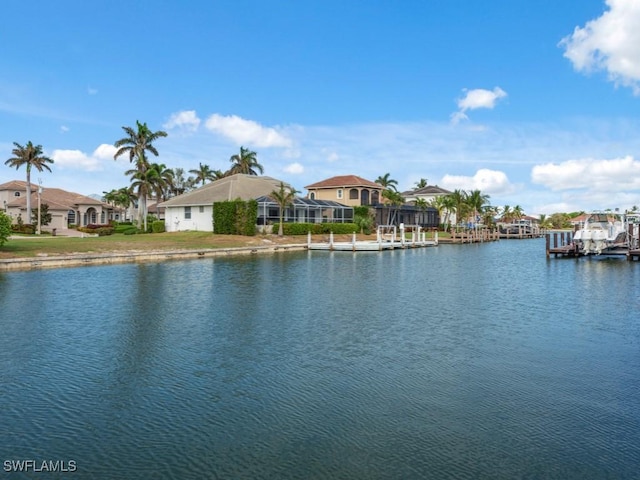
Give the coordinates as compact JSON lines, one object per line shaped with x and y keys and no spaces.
{"x":345,"y":181}
{"x":242,"y":186}
{"x":428,"y":190}
{"x":14,"y":185}
{"x":58,"y":199}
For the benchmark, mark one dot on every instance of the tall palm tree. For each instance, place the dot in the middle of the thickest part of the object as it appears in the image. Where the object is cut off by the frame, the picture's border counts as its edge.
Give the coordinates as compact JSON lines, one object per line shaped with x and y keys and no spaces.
{"x":507,"y":214}
{"x":245,"y":162}
{"x":145,"y":183}
{"x":387,"y":182}
{"x":180,"y":183}
{"x":457,"y":200}
{"x":163,"y":182}
{"x":283,"y":197}
{"x":517,"y":212}
{"x":422,"y":205}
{"x":29,"y":155}
{"x":476,"y":200}
{"x":204,"y":173}
{"x":395,"y":200}
{"x":136,"y":144}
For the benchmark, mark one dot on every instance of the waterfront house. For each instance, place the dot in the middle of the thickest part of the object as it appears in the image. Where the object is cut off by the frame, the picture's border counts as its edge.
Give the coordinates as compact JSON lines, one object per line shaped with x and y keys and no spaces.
{"x":194,"y":210}
{"x":349,"y":190}
{"x":66,"y":208}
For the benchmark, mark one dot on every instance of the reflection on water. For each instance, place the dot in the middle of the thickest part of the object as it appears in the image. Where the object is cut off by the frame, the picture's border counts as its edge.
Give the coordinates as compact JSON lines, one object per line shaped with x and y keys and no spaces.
{"x":475,"y":361}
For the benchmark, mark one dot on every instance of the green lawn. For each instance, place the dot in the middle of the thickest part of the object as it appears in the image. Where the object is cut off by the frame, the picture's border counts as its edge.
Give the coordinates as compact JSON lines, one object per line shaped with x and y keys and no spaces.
{"x":30,"y":246}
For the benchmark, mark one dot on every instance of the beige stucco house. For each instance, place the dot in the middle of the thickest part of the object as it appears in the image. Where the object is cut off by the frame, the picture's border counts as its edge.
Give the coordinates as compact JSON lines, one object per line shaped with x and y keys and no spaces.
{"x":348,"y":190}
{"x":66,"y":208}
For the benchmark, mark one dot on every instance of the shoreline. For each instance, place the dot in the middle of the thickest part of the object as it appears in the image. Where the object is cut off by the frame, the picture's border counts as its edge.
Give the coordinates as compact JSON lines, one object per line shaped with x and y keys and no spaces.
{"x":115,"y":258}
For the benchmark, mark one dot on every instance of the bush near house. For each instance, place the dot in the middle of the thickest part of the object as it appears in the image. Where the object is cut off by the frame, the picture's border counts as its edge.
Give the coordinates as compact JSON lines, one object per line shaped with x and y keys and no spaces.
{"x":235,"y":217}
{"x":157,"y":226}
{"x":100,"y":230}
{"x":25,"y":228}
{"x":5,"y":227}
{"x":317,"y":228}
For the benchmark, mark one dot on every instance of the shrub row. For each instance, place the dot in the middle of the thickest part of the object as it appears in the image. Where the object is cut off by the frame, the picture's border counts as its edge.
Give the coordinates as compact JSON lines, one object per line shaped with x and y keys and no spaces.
{"x":316,"y":228}
{"x":101,"y":230}
{"x":25,"y":228}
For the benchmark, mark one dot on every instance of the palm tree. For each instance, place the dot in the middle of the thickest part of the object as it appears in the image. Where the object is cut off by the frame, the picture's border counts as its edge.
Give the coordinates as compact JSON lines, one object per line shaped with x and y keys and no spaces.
{"x":123,"y":197}
{"x":476,"y":200}
{"x":395,"y":200}
{"x":163,"y":183}
{"x":421,"y":183}
{"x":31,"y":156}
{"x":145,"y":183}
{"x":180,"y":183}
{"x":517,"y":212}
{"x":507,"y":214}
{"x":387,"y":182}
{"x":204,"y":173}
{"x":422,"y":205}
{"x":137,"y":143}
{"x":245,"y":162}
{"x":458,"y":199}
{"x":283,"y":197}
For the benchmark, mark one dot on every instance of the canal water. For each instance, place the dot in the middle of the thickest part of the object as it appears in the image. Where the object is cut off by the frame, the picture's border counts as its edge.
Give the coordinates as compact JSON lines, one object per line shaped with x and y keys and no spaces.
{"x":473,"y":361}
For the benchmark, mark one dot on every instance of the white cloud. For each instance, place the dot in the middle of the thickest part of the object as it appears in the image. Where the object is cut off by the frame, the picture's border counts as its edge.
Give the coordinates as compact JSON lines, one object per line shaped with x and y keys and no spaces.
{"x":474,"y":99}
{"x":64,"y":128}
{"x":294,"y":168}
{"x":105,"y":152}
{"x":611,"y":43}
{"x":75,"y":159}
{"x":617,"y":174}
{"x":480,"y":98}
{"x":488,"y":181}
{"x":92,"y":91}
{"x":78,"y":160}
{"x":246,"y":132}
{"x":186,"y":120}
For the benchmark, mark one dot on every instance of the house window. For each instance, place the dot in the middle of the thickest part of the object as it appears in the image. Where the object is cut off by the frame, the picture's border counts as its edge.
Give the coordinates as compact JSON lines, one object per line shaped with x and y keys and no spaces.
{"x":339,"y":193}
{"x":187,"y":213}
{"x":16,"y":194}
{"x":201,"y":208}
{"x":353,"y":194}
{"x":312,"y":196}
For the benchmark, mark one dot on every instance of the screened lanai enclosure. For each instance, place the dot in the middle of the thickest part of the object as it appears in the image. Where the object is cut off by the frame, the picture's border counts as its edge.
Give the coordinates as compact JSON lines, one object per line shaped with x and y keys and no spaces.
{"x":303,"y":210}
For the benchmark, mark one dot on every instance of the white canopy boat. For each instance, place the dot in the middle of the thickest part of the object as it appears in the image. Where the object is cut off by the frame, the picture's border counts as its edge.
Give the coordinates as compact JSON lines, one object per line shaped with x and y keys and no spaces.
{"x":603,"y":232}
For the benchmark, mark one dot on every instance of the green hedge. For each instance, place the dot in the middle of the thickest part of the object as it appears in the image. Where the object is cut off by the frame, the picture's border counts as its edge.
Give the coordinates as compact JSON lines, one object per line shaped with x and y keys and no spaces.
{"x":157,"y":226}
{"x":316,"y":228}
{"x":235,"y":217}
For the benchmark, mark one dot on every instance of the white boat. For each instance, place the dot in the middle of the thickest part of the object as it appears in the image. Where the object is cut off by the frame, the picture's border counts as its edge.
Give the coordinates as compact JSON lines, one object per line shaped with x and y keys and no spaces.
{"x":603,"y":232}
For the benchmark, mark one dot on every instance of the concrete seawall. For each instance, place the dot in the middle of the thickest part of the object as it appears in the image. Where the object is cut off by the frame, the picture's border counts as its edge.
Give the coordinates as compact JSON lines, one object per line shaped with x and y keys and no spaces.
{"x":112,"y":258}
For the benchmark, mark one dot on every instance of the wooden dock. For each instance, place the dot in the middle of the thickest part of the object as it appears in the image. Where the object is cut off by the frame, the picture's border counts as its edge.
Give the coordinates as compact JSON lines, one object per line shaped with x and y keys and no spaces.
{"x":561,"y":244}
{"x":391,"y":241}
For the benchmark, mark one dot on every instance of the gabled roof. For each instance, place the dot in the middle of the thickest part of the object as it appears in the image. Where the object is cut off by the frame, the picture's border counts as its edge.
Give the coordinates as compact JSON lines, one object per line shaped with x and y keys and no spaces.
{"x":242,"y":186}
{"x":343,"y":181}
{"x":58,"y":199}
{"x":428,"y":190}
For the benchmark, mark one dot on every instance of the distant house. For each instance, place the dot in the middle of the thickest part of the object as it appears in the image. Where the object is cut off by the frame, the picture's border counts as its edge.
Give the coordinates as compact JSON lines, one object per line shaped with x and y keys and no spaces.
{"x":66,"y":208}
{"x":428,"y":193}
{"x":348,"y":190}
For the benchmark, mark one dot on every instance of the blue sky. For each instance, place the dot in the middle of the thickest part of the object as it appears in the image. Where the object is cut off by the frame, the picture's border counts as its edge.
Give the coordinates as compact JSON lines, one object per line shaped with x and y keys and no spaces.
{"x":533,"y":102}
